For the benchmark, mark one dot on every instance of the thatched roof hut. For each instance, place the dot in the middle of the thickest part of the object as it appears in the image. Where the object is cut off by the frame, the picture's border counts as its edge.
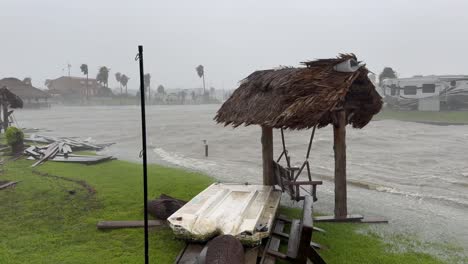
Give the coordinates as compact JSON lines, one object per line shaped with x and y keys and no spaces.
{"x":326,"y":91}
{"x":10,"y":99}
{"x":298,"y":98}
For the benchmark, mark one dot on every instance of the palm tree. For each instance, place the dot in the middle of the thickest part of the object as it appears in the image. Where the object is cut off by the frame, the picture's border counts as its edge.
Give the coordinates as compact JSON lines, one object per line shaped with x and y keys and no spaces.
{"x":161,"y":89}
{"x":118,"y":75}
{"x":124,"y":80}
{"x":84,"y":70}
{"x":147,"y":79}
{"x":103,"y":76}
{"x":387,"y":73}
{"x":201,"y":73}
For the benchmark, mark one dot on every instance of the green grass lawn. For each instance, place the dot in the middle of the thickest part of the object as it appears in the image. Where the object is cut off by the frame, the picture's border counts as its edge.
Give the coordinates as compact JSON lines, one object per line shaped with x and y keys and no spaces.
{"x":41,"y":222}
{"x":456,"y":117}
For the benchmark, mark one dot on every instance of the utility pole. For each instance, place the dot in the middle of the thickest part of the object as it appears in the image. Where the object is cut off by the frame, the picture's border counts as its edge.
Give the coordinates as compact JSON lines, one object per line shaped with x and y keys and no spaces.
{"x":69,"y":67}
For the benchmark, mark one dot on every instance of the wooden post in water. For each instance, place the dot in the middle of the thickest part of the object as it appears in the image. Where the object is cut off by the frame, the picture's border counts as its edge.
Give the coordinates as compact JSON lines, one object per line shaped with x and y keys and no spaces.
{"x":267,"y":155}
{"x":339,"y":139}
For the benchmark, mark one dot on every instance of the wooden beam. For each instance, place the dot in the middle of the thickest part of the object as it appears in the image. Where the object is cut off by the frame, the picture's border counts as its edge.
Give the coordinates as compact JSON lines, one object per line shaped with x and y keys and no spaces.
{"x":339,"y":139}
{"x":127,"y":224}
{"x":267,"y":155}
{"x":8,"y":184}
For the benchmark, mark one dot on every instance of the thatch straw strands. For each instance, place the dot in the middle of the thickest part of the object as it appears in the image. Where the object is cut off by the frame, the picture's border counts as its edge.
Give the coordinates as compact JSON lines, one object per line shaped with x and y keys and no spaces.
{"x":7,"y":97}
{"x":300,"y":98}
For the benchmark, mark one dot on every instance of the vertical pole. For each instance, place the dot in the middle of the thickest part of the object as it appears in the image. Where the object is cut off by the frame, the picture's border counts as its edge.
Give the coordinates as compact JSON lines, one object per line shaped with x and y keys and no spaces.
{"x":339,"y":137}
{"x":145,"y":169}
{"x":203,"y":83}
{"x":87,"y":90}
{"x":267,"y":155}
{"x":5,"y":114}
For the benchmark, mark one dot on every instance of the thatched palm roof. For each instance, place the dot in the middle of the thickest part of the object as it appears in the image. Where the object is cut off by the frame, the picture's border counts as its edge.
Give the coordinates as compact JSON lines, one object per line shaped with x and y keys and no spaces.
{"x":11,"y":99}
{"x":298,"y":98}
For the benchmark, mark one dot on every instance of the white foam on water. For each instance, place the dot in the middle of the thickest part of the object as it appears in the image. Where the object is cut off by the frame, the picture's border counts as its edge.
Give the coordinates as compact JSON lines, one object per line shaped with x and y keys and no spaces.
{"x":421,"y":196}
{"x":186,"y":162}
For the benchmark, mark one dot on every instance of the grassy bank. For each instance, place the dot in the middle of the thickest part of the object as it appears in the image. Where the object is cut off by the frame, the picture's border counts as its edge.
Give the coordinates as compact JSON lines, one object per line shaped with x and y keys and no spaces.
{"x":455,"y":117}
{"x":46,"y":219}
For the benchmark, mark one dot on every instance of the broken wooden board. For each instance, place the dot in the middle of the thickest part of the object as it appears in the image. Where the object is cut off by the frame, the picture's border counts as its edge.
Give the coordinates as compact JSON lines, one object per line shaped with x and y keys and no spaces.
{"x":353,"y":219}
{"x":51,"y":151}
{"x":243,"y":211}
{"x":273,"y":244}
{"x":127,"y":224}
{"x":8,"y":184}
{"x":373,"y":220}
{"x":332,"y":218}
{"x":84,"y":159}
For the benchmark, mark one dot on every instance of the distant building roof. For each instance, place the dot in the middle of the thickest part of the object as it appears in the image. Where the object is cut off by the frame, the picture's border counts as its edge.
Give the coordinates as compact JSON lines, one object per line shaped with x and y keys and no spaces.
{"x":69,"y":85}
{"x":22,"y":89}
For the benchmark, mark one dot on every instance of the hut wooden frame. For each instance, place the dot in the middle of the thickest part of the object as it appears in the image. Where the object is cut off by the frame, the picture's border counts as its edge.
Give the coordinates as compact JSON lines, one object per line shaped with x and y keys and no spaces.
{"x":302,"y":98}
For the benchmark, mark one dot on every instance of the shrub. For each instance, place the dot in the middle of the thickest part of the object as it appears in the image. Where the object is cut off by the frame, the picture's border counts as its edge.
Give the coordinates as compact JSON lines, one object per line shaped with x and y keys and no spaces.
{"x":14,"y":136}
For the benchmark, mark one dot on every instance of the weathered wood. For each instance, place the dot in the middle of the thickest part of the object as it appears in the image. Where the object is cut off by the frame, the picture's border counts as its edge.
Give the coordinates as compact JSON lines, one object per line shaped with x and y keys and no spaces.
{"x":251,"y":256}
{"x":306,"y":231}
{"x":318,"y":229}
{"x":267,"y":155}
{"x":314,"y":256}
{"x":189,"y":254}
{"x":294,"y":238}
{"x":8,"y":184}
{"x":332,"y":218}
{"x":339,"y":139}
{"x":127,"y":224}
{"x":51,"y":151}
{"x":316,"y":245}
{"x":285,"y":179}
{"x":272,"y":244}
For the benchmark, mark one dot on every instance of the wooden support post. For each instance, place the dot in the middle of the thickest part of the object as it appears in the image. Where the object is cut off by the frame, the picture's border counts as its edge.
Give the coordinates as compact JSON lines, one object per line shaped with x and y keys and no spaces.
{"x":5,"y":115}
{"x":339,"y":139}
{"x":267,"y":155}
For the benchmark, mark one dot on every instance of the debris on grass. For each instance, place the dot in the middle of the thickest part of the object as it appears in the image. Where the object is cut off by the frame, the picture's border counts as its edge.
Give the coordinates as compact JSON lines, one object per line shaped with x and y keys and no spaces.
{"x":60,"y":149}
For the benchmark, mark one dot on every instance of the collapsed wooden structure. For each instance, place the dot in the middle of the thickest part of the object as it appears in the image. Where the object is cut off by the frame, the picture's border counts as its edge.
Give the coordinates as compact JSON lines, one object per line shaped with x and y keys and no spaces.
{"x":325,"y":91}
{"x":8,"y":100}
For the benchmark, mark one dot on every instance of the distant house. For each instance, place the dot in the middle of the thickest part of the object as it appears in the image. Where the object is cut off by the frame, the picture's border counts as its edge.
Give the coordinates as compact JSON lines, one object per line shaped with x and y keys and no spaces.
{"x":77,"y":87}
{"x":32,"y":97}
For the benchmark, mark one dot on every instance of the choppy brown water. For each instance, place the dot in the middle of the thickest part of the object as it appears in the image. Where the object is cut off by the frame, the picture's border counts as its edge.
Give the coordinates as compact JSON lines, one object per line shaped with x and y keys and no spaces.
{"x":418,"y":173}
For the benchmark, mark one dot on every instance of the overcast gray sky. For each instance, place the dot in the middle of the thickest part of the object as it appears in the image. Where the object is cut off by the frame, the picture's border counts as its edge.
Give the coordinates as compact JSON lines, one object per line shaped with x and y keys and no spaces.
{"x":230,"y":38}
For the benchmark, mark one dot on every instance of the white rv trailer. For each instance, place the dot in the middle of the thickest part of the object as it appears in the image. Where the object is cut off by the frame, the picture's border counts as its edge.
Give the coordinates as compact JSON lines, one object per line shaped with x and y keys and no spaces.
{"x":427,"y":93}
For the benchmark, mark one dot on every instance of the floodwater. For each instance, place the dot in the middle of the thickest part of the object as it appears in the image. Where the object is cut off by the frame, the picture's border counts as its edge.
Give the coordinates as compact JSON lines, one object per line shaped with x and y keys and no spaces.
{"x":415,"y":175}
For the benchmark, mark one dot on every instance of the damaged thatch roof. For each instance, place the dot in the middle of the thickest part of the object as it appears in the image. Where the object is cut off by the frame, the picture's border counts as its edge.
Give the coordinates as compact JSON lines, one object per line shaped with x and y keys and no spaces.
{"x":299,"y":98}
{"x":12,"y":99}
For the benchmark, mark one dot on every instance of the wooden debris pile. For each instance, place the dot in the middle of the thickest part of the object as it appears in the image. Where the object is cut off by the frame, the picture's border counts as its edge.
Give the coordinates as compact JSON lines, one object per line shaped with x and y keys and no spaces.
{"x":60,"y":149}
{"x":72,"y":142}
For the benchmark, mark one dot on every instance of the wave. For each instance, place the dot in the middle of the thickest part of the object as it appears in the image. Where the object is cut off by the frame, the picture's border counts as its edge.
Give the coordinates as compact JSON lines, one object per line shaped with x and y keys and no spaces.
{"x":450,"y":200}
{"x":182,"y":161}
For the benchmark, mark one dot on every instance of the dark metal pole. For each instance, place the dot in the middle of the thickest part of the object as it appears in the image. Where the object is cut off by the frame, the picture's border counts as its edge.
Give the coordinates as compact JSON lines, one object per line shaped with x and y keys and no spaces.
{"x":143,"y":136}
